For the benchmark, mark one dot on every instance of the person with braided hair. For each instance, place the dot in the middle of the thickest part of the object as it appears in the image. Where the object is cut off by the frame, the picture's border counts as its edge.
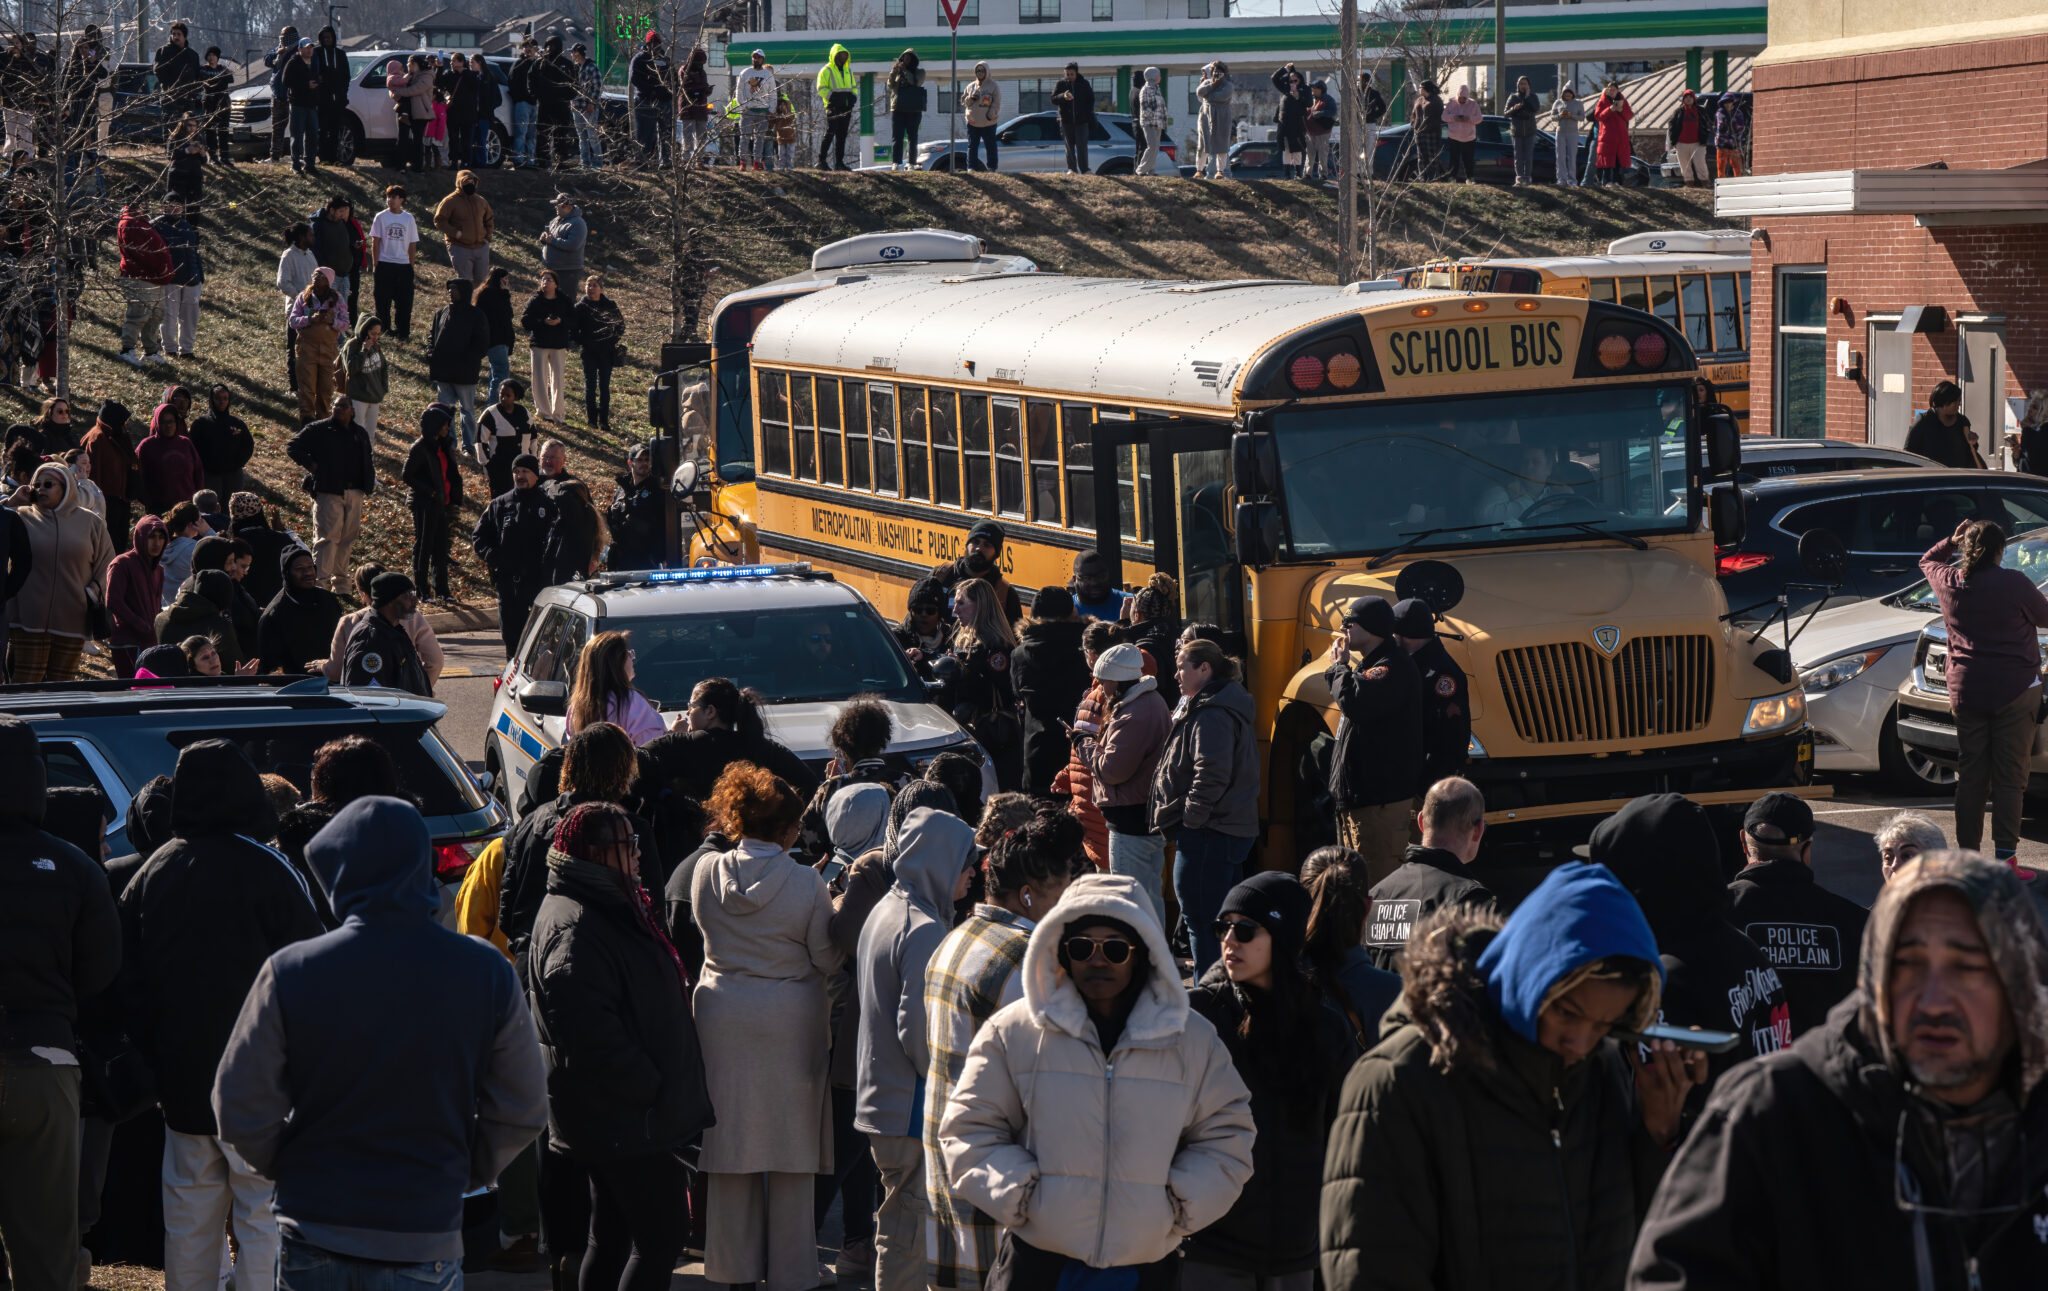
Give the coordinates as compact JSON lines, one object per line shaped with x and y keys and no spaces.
{"x":973,"y":972}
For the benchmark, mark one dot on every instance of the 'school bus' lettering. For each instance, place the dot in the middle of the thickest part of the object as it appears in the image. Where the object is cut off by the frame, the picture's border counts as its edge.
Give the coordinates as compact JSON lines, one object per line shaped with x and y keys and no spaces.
{"x":1417,"y":352}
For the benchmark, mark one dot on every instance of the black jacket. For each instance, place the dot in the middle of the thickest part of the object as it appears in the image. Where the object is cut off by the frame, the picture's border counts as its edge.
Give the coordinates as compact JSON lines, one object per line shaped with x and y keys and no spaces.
{"x":215,"y":86}
{"x":336,"y":455}
{"x":949,"y":574}
{"x":17,"y":559}
{"x":521,"y":80}
{"x":297,"y":627}
{"x":456,"y":344}
{"x":1050,"y":674}
{"x":267,"y":547}
{"x":1788,"y":1182}
{"x":512,"y":538}
{"x":496,"y":302}
{"x":223,"y":441}
{"x":1948,"y":445}
{"x":524,"y":885}
{"x":554,"y":85}
{"x":651,"y":81}
{"x":1159,"y":638}
{"x":599,"y":328}
{"x":337,"y":244}
{"x":1378,"y":758}
{"x":635,"y":519}
{"x":625,"y":1072}
{"x":1077,"y":109}
{"x":540,"y":333}
{"x":1427,"y":877}
{"x":295,"y":828}
{"x":690,"y":762}
{"x":1271,"y":1228}
{"x":177,"y":71}
{"x":1293,"y":112}
{"x":60,"y":935}
{"x":572,"y":541}
{"x":298,"y":79}
{"x":331,"y":66}
{"x":199,"y":921}
{"x":381,"y":653}
{"x":1813,"y":937}
{"x":1446,"y":713}
{"x":433,"y":473}
{"x":1521,"y":110}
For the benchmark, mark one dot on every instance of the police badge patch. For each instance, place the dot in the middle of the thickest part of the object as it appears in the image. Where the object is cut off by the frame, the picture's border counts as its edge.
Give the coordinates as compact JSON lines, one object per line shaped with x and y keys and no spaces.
{"x":1445,"y":686}
{"x":1377,"y":672}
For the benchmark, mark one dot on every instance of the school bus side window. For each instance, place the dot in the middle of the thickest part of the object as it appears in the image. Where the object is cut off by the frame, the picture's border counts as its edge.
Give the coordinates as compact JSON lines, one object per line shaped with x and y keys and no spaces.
{"x":1077,"y":439}
{"x":1600,"y":289}
{"x":1633,"y":294}
{"x":1729,"y":326}
{"x":775,"y":423}
{"x":831,"y":464}
{"x":1008,"y":418}
{"x":854,"y":398}
{"x":1692,"y":291}
{"x":1664,"y":299}
{"x":981,"y":486}
{"x":803,"y":427}
{"x":882,"y":429}
{"x":917,"y":477}
{"x":945,"y":449}
{"x":1044,"y":441}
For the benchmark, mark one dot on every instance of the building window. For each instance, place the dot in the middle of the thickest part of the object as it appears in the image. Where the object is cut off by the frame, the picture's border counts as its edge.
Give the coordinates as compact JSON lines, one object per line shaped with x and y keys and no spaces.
{"x":1198,"y":8}
{"x":1035,"y":95}
{"x":1104,"y":11}
{"x":1194,"y":99}
{"x":1038,"y":11}
{"x":1801,"y":357}
{"x":949,"y":97}
{"x":1105,"y":92}
{"x":892,"y":13}
{"x":970,"y":15}
{"x":796,"y":15}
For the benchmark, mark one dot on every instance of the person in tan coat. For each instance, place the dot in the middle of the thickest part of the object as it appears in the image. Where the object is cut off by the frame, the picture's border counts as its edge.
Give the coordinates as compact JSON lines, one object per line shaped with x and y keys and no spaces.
{"x":71,"y":552}
{"x":763,"y":1018}
{"x":1097,"y":1119}
{"x":466,"y":220}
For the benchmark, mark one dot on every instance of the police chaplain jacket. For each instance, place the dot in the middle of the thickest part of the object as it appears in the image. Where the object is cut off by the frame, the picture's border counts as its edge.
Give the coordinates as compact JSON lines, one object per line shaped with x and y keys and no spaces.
{"x":1809,"y":934}
{"x":1427,"y":877}
{"x":1379,"y":741}
{"x":381,"y":653}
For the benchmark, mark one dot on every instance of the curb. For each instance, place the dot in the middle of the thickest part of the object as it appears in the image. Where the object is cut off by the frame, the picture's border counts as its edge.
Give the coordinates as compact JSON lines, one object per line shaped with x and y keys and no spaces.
{"x":463,"y":618}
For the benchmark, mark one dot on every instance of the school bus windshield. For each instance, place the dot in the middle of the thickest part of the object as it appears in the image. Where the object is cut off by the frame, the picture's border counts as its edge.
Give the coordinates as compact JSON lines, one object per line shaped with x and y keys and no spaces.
{"x":1519,"y":467}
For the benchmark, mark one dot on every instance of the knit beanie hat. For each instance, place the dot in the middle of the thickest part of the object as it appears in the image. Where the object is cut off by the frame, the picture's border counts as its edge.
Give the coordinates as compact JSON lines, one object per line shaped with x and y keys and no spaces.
{"x":1278,"y":903}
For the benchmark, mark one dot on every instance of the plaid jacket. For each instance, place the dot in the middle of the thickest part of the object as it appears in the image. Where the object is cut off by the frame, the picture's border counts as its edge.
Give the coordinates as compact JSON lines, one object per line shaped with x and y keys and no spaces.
{"x":973,"y":973}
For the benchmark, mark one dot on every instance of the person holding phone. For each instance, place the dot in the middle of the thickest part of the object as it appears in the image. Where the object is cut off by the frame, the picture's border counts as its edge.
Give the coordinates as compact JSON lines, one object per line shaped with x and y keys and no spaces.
{"x":1498,"y":1135}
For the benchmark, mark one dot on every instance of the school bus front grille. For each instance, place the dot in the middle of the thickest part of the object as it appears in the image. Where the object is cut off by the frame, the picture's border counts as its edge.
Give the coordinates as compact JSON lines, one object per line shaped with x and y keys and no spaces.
{"x":1569,"y":692}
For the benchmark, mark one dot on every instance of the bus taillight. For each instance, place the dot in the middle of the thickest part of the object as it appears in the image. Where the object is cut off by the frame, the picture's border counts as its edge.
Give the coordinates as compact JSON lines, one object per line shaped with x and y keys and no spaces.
{"x":1615,"y":351}
{"x":1651,"y":350}
{"x":1306,"y":372}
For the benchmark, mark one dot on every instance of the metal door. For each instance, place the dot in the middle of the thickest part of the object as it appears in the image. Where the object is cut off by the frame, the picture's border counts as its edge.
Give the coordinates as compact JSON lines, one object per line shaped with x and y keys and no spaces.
{"x":1191,"y":508}
{"x":1980,"y":353}
{"x":1891,"y":386}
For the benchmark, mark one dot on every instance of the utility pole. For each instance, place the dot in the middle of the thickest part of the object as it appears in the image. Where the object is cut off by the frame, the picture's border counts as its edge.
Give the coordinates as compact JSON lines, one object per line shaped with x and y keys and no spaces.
{"x":1500,"y":55}
{"x":1349,"y":131}
{"x":142,"y":31}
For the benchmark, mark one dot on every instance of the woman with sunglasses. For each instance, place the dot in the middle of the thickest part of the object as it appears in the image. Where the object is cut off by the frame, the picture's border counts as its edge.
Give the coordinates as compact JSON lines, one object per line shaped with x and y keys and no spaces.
{"x":69,"y":552}
{"x":1293,"y":1051}
{"x":1098,"y":1120}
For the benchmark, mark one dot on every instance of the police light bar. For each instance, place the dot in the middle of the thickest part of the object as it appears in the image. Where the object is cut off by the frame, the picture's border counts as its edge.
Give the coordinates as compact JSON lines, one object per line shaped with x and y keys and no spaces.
{"x":720,"y":573}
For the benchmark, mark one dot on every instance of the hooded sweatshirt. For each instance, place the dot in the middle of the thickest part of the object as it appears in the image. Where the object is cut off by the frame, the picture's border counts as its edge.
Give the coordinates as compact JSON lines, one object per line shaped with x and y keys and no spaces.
{"x":1791,"y":1176}
{"x":171,"y":468}
{"x":203,"y":607}
{"x":1108,"y":1159}
{"x":200,"y":920}
{"x":298,"y":625}
{"x":932,"y":849}
{"x":373,"y":1104}
{"x":221,"y":438}
{"x":135,"y":588}
{"x":368,"y":378}
{"x":113,"y":456}
{"x":70,"y":550}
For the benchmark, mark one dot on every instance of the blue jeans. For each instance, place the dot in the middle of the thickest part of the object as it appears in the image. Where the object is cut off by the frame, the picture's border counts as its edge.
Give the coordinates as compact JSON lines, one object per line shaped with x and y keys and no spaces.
{"x":1206,"y":865}
{"x":523,"y":116}
{"x":305,"y":137}
{"x":500,"y":357}
{"x":463,"y":397}
{"x":589,"y":148}
{"x":1142,"y":857}
{"x":302,"y":1267}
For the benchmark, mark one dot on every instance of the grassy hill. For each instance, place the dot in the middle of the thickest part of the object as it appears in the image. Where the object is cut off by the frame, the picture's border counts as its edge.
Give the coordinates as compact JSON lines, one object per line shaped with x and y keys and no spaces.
{"x":757,"y":226}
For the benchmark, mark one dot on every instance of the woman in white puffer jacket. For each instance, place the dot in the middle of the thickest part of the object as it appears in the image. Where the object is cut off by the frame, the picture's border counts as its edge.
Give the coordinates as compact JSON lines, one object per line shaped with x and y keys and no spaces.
{"x":1098,"y":1119}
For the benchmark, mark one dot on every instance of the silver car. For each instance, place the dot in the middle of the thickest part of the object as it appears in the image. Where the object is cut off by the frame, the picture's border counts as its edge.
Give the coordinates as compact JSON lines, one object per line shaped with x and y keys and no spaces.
{"x":1033,"y":143}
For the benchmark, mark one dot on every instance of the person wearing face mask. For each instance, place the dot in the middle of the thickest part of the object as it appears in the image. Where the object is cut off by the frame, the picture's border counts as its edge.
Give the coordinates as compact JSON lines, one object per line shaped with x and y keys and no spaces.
{"x":1496,"y":1135}
{"x":1099,"y":1121}
{"x":982,"y":560}
{"x":466,"y":220}
{"x":974,"y":972}
{"x":1898,"y":1145}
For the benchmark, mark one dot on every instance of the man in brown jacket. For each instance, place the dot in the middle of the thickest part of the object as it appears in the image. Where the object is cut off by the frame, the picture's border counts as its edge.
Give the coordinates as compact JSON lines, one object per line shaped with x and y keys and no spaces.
{"x":112,"y":455}
{"x":465,"y":219}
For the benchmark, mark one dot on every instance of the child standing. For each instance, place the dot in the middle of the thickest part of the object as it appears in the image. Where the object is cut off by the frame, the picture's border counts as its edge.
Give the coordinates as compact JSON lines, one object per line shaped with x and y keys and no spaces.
{"x":437,"y":135}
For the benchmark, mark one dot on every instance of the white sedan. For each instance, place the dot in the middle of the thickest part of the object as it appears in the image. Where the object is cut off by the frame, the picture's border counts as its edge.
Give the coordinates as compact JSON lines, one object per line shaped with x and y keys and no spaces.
{"x":1852,"y":660}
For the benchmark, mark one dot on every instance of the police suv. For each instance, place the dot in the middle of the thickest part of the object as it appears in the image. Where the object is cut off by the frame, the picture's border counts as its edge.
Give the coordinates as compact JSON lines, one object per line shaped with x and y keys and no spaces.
{"x":807,"y":643}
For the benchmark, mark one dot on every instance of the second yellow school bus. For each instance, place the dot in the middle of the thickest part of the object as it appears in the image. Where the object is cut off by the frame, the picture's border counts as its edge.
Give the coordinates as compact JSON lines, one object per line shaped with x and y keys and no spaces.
{"x":1281,"y":448}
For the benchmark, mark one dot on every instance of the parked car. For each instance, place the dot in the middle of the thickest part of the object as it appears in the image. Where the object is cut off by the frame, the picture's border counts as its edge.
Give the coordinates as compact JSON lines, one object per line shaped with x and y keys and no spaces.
{"x":1886,"y":518}
{"x":1852,"y":659}
{"x":1766,"y":457}
{"x":758,"y":625}
{"x":1394,"y":155}
{"x":1032,"y":143}
{"x":373,"y":122}
{"x":116,"y":737}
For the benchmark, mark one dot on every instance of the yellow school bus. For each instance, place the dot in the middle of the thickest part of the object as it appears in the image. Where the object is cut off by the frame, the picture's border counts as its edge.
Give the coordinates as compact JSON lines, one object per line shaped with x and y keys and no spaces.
{"x":1696,"y":280}
{"x":1281,"y":448}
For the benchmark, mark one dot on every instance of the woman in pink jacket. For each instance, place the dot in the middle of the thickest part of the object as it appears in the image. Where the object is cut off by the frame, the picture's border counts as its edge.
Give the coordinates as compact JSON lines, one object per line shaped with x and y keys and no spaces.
{"x":135,"y":588}
{"x":1461,"y":123}
{"x":1611,"y":154}
{"x":171,"y":470}
{"x":604,"y":691}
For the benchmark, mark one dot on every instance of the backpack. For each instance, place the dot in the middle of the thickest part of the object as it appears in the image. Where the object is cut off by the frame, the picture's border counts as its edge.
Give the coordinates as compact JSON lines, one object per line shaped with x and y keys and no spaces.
{"x":488,"y":96}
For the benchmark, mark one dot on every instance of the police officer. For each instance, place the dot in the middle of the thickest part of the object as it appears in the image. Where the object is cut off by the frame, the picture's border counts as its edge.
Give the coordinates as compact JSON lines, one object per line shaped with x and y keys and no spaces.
{"x":512,"y":539}
{"x":1434,"y":873}
{"x":984,"y":561}
{"x":636,"y":513}
{"x":380,"y":651}
{"x":1376,"y":771}
{"x":1446,"y":707}
{"x":1813,"y":937}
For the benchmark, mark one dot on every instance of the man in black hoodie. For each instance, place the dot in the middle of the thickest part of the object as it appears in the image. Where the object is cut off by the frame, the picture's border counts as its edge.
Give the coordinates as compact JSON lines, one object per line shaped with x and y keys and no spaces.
{"x":456,"y":346}
{"x":330,"y":67}
{"x":199,"y":921}
{"x":60,"y":942}
{"x":1376,"y":768}
{"x":335,"y":453}
{"x":511,"y":539}
{"x":1663,"y":849}
{"x":1813,"y":937}
{"x":1051,"y":674}
{"x":1435,"y":873}
{"x":1446,"y":705}
{"x":266,"y":546}
{"x":224,"y":442}
{"x":297,"y":627}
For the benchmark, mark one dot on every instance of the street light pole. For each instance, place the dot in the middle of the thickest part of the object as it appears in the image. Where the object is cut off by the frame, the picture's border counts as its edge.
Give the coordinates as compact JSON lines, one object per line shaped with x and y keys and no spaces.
{"x":1348,"y":131}
{"x":1500,"y":54}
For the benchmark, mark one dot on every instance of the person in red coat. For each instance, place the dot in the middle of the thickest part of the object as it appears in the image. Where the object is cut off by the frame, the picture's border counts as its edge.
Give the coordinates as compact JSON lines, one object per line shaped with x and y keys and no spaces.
{"x":1611,"y":154}
{"x":170,"y":467}
{"x":135,"y":587}
{"x":146,"y":269}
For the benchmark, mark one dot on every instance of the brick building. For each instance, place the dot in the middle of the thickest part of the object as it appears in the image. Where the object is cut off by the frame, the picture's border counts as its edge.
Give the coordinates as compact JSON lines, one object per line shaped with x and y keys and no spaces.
{"x":1899,"y":207}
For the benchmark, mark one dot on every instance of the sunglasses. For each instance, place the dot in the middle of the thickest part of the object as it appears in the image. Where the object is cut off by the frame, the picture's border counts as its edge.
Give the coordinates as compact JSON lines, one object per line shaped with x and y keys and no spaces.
{"x":1082,"y":949}
{"x":1241,"y":931}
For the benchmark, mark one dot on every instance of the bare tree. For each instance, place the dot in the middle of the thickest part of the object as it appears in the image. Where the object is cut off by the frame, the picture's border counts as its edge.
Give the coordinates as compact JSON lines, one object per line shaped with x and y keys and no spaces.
{"x":843,"y":15}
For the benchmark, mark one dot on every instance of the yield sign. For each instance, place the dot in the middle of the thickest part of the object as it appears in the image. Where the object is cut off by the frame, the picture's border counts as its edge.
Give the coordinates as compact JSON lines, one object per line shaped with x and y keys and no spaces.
{"x":953,"y":10}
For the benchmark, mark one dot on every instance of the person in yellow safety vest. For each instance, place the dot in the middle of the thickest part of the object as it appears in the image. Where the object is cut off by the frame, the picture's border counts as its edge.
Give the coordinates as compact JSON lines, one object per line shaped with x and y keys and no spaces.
{"x":836,"y":86}
{"x":729,"y":132}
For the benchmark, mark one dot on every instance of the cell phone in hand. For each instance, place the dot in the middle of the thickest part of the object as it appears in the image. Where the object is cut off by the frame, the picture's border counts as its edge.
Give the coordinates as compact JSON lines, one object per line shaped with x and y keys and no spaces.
{"x":1683,"y":1037}
{"x":832,"y":869}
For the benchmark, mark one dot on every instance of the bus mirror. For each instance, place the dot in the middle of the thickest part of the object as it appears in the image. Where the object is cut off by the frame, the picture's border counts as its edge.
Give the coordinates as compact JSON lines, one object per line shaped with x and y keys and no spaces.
{"x":1723,"y":441}
{"x":1726,"y":516}
{"x":1433,"y":582}
{"x":1824,"y":556}
{"x":665,"y":406}
{"x":1254,"y":464}
{"x":1258,"y":533}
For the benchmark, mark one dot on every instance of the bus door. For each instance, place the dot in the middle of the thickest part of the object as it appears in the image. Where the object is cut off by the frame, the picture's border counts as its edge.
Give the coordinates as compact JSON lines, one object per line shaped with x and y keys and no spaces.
{"x":1190,"y":509}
